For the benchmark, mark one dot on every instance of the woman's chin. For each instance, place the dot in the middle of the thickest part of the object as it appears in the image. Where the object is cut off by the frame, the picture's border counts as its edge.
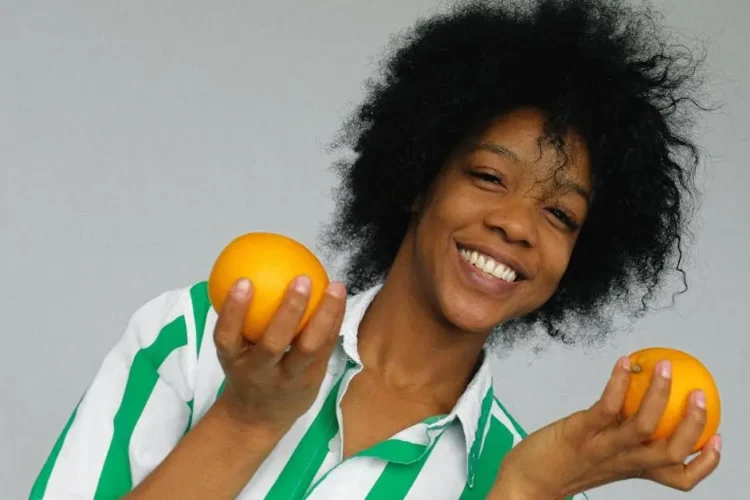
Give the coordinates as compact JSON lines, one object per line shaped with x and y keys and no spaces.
{"x":472,"y":320}
{"x":468,"y":311}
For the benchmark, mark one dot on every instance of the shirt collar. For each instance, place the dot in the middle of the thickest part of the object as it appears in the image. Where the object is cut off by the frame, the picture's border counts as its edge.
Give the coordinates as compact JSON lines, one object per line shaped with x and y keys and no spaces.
{"x":472,"y":410}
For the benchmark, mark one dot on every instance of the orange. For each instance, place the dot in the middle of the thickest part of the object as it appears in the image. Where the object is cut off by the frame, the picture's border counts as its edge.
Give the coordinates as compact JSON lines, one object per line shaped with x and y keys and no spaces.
{"x":688,"y":375}
{"x":270,"y":261}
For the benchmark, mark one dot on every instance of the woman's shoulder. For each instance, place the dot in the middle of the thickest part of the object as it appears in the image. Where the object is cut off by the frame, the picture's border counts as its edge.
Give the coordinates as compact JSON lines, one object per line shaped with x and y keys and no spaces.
{"x":186,"y":308}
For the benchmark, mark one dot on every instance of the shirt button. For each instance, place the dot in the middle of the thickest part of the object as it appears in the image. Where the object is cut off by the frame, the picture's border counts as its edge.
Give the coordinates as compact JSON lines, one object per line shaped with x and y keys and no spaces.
{"x":333,"y":444}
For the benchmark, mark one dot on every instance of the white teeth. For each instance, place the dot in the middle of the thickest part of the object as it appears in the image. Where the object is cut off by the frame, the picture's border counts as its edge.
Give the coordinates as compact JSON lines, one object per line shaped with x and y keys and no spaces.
{"x":488,"y":265}
{"x":499,"y":271}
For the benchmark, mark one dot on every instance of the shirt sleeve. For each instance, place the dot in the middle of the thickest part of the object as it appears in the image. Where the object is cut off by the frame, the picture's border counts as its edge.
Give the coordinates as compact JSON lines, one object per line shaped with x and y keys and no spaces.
{"x":136,"y":409}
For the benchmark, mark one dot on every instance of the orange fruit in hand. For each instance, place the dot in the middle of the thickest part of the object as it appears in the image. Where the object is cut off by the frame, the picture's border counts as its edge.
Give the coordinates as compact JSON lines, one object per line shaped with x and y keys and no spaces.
{"x":688,"y":375}
{"x":271,"y":262}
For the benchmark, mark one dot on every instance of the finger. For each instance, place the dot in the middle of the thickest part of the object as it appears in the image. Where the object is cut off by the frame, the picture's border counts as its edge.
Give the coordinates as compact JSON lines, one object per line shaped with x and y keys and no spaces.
{"x":606,"y":411}
{"x":686,"y":477}
{"x":680,"y":445}
{"x":642,"y":425}
{"x":228,"y":330}
{"x":284,"y":324}
{"x":316,"y":341}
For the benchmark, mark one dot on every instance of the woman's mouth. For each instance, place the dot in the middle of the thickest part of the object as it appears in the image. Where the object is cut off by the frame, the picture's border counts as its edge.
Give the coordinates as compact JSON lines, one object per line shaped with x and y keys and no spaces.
{"x":488,"y":266}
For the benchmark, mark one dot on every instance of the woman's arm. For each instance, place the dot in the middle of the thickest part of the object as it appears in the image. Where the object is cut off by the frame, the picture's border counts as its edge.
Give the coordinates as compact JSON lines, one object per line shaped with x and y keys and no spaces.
{"x":216,"y":459}
{"x":129,"y":428}
{"x":510,"y":486}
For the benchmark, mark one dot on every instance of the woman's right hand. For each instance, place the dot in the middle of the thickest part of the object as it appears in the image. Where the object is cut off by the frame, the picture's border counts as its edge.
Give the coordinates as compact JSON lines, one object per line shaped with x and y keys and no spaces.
{"x":271,"y":383}
{"x":267,"y":389}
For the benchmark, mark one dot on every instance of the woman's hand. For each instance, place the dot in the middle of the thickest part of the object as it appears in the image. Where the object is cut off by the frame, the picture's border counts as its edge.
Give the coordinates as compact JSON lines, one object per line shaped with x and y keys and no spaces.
{"x":269,"y":385}
{"x":267,"y":389}
{"x":595,"y":447}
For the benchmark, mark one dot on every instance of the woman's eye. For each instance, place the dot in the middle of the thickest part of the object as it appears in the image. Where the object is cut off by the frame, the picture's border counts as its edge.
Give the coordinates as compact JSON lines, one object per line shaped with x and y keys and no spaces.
{"x":488,"y":177}
{"x":565,"y":218}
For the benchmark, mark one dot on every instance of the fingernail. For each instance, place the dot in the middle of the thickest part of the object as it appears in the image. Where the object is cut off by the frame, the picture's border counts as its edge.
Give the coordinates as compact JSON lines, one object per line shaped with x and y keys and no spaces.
{"x":665,"y":369}
{"x":302,"y":284}
{"x":625,"y":363}
{"x":699,"y":397}
{"x":717,"y":444}
{"x":336,"y":289}
{"x":241,"y":288}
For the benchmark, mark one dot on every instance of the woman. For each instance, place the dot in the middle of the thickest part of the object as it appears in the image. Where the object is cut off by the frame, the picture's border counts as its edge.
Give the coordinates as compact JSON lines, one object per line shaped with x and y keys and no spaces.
{"x":516,"y":166}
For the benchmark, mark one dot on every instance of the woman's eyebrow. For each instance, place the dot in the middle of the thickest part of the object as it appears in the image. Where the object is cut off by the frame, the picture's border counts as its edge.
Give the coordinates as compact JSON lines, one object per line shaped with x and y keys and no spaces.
{"x":498,"y":149}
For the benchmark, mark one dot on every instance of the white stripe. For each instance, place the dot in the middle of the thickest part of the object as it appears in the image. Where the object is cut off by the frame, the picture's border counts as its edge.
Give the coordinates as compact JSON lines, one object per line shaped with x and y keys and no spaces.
{"x":416,"y":434}
{"x":330,"y":461}
{"x":175,"y":372}
{"x":352,"y":480}
{"x":158,"y":430}
{"x":84,"y":451}
{"x":444,"y":473}
{"x":210,"y":374}
{"x":190,"y":362}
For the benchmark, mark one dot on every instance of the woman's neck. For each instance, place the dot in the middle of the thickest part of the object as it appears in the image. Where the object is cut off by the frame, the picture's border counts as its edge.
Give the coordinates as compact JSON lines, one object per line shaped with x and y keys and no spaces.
{"x":403,"y":341}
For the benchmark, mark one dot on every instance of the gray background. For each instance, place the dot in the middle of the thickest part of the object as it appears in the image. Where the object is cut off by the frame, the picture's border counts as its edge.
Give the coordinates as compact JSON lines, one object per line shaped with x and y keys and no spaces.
{"x":136,"y":138}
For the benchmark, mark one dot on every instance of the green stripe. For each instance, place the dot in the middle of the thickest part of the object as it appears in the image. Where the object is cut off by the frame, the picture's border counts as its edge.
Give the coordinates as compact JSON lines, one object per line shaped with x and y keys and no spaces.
{"x":221,"y":388}
{"x":397,"y":479}
{"x":395,"y":450}
{"x":116,"y":479}
{"x":201,"y":306}
{"x":499,"y":441}
{"x":190,"y":417}
{"x":516,"y":426}
{"x":479,"y":433}
{"x":300,"y":470}
{"x":40,"y":485}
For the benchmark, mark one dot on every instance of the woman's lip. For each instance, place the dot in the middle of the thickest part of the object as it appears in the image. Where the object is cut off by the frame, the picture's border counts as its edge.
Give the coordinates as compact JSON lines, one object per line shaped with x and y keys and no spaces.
{"x":479,"y":279}
{"x":498,"y":256}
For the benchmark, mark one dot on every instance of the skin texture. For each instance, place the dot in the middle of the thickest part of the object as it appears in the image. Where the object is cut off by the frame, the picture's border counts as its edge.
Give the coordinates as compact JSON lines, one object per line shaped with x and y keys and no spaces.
{"x":509,"y":202}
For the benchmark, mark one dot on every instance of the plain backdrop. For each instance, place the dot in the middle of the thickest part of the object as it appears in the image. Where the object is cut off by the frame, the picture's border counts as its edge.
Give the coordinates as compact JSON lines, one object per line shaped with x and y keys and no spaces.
{"x":137,"y":138}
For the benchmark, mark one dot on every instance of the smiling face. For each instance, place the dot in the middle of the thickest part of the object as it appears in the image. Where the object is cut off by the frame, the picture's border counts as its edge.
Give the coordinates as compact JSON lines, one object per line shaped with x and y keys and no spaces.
{"x":493,"y":237}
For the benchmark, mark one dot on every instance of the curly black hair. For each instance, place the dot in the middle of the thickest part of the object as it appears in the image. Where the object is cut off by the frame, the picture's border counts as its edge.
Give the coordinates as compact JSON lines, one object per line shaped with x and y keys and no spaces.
{"x":604,"y":69}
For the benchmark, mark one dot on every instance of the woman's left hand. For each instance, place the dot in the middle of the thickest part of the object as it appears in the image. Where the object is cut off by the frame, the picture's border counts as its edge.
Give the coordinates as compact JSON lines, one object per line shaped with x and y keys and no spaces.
{"x":594,"y":447}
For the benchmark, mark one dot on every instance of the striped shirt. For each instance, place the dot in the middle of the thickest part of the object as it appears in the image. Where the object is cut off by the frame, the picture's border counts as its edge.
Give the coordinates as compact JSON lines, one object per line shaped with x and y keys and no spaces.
{"x":163,"y":375}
